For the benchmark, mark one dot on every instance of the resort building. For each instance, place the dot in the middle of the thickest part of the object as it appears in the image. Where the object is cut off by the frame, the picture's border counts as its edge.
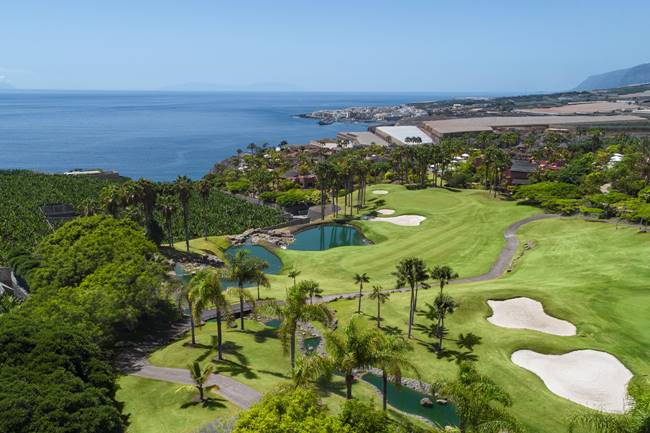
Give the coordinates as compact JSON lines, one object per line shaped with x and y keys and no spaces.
{"x":451,"y":127}
{"x":520,"y":171}
{"x":404,"y":135}
{"x":362,"y":138}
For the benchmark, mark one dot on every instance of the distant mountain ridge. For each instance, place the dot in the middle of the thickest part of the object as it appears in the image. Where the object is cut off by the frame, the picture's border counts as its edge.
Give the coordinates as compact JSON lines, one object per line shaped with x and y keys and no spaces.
{"x":639,"y":74}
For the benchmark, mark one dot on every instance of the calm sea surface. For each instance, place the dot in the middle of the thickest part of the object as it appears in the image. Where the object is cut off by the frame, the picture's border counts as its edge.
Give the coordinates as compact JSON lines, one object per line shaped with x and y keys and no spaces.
{"x":160,"y":135}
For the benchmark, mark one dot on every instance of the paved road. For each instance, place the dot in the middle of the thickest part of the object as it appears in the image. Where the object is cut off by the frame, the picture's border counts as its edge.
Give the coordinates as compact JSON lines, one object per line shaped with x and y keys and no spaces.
{"x":242,"y":395}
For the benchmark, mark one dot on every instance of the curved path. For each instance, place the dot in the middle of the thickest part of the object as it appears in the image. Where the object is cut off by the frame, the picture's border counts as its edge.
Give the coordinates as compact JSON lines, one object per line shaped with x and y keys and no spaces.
{"x":499,"y":268}
{"x":507,"y":253}
{"x":236,"y":392}
{"x":245,"y":396}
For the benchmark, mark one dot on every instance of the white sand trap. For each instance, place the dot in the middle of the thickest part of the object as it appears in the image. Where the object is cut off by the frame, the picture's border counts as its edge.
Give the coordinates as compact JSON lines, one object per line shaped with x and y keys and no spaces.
{"x":591,"y":378}
{"x":402,"y":220}
{"x":379,"y":191}
{"x":386,"y":211}
{"x":526,"y":313}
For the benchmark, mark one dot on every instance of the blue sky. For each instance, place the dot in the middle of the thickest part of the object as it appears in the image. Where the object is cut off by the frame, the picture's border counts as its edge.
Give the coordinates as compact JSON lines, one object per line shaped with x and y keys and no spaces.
{"x":377,"y":45}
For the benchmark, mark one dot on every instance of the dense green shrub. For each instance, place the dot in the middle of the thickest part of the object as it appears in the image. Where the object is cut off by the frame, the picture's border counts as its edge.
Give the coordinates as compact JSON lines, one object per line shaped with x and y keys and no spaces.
{"x":538,"y":193}
{"x":459,"y":179}
{"x":99,"y":270}
{"x":238,"y":186}
{"x":295,"y":411}
{"x":53,"y":379}
{"x":298,"y":197}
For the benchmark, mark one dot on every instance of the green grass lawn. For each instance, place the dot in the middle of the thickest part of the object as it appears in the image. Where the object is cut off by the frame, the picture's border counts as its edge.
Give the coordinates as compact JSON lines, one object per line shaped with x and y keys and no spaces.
{"x":588,"y":273}
{"x":254,"y":357}
{"x":214,"y":245}
{"x":463,"y":229}
{"x":155,"y":407}
{"x":592,"y":274}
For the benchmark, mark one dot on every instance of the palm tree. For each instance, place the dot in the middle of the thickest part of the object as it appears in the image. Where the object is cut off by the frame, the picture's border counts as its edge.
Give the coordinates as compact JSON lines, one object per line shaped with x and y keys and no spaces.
{"x":206,"y":290}
{"x":184,"y":190}
{"x":242,"y":268}
{"x":443,"y":274}
{"x":355,"y":347}
{"x":444,"y":305}
{"x":381,"y":296}
{"x":294,"y":274}
{"x":411,"y":271}
{"x":147,"y":194}
{"x":294,"y":310}
{"x":311,"y":288}
{"x":260,"y":277}
{"x":480,"y":403}
{"x":9,"y":303}
{"x":360,"y":279}
{"x":184,"y":293}
{"x":204,"y":187}
{"x":309,"y":368}
{"x":392,"y":358}
{"x":599,"y":422}
{"x":110,"y":198}
{"x":200,"y":378}
{"x":167,"y":206}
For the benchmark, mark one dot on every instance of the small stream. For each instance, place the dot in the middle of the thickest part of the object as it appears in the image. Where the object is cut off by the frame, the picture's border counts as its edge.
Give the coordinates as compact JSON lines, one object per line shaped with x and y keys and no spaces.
{"x":407,"y":400}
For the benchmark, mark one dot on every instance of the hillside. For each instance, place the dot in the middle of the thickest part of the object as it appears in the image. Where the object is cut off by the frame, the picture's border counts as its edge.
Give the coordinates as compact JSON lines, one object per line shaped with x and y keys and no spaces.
{"x":639,"y":74}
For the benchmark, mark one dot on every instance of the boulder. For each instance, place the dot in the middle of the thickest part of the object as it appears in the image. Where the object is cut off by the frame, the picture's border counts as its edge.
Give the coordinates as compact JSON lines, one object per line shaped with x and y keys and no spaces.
{"x":426,"y":402}
{"x":442,"y":401}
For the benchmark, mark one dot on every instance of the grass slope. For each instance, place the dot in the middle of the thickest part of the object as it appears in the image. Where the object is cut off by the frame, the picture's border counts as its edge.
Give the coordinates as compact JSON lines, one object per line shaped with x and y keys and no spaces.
{"x":463,"y":229}
{"x":590,"y":274}
{"x":254,"y":357}
{"x":155,"y":407}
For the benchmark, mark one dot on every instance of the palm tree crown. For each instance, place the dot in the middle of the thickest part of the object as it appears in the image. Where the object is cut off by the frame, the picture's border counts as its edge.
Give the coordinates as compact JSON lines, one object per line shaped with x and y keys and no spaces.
{"x":353,"y":348}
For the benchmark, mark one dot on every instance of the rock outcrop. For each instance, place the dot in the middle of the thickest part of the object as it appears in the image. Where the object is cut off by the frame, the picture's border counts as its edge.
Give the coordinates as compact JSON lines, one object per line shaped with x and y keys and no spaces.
{"x":278,"y":238}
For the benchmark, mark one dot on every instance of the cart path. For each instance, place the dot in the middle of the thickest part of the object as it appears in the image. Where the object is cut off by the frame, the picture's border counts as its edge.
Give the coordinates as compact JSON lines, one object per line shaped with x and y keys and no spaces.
{"x":499,"y":268}
{"x":236,"y":392}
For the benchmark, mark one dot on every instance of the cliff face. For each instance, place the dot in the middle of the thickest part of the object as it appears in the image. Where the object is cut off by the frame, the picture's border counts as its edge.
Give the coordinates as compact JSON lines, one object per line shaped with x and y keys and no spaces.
{"x":639,"y":74}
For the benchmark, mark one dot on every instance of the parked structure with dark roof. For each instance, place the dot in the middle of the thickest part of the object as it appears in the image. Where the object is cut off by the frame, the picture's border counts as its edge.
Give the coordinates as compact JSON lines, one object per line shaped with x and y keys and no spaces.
{"x":520,"y":171}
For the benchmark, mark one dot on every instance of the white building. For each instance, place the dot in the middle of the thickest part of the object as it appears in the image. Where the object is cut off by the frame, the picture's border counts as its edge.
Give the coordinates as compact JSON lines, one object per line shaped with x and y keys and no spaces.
{"x":409,"y":135}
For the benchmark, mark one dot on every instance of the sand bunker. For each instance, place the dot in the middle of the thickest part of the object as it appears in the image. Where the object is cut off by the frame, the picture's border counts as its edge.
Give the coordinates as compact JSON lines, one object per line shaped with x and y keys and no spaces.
{"x":379,"y":191}
{"x":402,"y":220}
{"x":526,"y":313}
{"x":386,"y":211}
{"x":591,"y":378}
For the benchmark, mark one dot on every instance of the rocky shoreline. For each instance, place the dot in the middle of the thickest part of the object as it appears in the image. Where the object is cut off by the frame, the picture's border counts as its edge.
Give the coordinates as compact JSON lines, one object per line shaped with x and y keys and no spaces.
{"x":275,"y":237}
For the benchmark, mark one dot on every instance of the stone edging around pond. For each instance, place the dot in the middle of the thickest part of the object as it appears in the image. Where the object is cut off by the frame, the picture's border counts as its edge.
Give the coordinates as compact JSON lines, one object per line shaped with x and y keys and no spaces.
{"x":275,"y":237}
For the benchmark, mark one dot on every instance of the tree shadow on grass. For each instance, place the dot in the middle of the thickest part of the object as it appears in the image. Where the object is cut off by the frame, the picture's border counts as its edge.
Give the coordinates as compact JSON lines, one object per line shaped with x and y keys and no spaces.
{"x":326,"y":388}
{"x":391,"y":330}
{"x":208,"y":403}
{"x":450,"y":355}
{"x":275,"y":373}
{"x":263,"y":335}
{"x":234,"y":369}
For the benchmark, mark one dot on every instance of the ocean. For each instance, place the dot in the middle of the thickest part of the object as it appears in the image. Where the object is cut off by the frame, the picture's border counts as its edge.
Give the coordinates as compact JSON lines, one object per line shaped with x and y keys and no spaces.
{"x":160,"y":135}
